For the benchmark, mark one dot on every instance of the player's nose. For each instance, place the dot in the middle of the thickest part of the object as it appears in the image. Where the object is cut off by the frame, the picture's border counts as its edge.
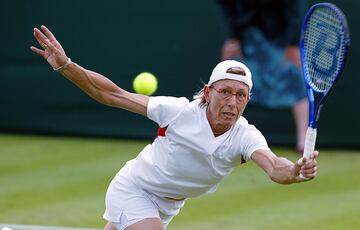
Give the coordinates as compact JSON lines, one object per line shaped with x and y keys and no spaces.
{"x":231,"y":101}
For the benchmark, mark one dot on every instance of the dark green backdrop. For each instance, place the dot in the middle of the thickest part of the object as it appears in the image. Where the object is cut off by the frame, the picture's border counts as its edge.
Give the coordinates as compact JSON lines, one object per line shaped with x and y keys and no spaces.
{"x":178,"y":41}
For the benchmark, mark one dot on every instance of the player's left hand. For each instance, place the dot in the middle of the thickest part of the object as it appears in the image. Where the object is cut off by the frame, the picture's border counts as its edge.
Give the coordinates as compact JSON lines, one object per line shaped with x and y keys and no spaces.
{"x":306,"y":168}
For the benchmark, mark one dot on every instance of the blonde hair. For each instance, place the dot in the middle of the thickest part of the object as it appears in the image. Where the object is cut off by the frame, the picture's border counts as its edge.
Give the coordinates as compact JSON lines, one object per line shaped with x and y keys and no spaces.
{"x":200,"y":96}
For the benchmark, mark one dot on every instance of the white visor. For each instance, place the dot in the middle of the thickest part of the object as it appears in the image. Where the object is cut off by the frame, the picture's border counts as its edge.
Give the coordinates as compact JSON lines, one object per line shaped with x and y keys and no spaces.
{"x":220,"y":73}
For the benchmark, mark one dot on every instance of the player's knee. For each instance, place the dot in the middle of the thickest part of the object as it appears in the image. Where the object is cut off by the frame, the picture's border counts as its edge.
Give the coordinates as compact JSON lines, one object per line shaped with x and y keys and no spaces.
{"x":110,"y":226}
{"x":148,"y":224}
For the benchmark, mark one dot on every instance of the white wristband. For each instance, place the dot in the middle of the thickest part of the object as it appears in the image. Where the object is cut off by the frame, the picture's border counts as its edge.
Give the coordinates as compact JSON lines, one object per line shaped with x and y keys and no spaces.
{"x":68,"y":62}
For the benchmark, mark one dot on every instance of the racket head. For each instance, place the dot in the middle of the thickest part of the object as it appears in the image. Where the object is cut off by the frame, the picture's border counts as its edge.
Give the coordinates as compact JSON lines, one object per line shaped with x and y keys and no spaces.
{"x":324,"y":44}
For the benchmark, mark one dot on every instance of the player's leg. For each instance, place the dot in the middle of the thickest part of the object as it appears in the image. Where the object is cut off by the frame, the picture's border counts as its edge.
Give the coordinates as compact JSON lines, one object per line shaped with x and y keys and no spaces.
{"x":110,"y":226}
{"x":301,"y":116}
{"x":147,"y":224}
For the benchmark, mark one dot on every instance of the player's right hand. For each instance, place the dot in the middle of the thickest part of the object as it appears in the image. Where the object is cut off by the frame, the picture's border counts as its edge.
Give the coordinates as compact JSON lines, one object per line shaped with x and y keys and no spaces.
{"x":51,"y":48}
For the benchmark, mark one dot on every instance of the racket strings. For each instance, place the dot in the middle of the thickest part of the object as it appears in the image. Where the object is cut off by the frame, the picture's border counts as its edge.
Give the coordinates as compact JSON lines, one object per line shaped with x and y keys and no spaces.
{"x":324,"y":48}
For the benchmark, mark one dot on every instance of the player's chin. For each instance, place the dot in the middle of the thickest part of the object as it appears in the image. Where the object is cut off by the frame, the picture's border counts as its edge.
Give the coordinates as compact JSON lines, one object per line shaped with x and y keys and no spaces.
{"x":229,"y":118}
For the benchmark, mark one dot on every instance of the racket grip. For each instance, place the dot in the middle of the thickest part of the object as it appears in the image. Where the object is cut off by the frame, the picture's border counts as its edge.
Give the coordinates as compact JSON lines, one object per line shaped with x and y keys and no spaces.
{"x":310,"y":140}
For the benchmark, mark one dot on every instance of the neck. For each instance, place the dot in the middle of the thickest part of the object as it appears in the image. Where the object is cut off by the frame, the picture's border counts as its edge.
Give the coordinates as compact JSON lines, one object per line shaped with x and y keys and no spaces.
{"x":219,"y":130}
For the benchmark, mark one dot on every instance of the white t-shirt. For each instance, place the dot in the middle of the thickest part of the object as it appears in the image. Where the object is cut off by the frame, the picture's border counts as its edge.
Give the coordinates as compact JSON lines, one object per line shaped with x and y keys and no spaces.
{"x":189,"y":160}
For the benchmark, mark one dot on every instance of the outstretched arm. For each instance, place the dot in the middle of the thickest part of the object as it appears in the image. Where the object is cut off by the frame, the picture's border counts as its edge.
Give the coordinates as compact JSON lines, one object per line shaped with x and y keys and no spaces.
{"x":95,"y":85}
{"x":283,"y":171}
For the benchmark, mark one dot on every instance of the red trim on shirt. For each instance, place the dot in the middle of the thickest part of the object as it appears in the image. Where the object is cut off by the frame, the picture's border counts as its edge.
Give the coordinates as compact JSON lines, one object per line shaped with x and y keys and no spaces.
{"x":161,"y":132}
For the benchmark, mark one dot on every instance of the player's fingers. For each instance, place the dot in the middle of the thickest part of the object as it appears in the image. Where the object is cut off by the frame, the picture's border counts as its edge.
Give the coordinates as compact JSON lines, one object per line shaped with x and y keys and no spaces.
{"x":40,"y":37}
{"x":308,"y":170}
{"x":302,"y":178}
{"x":314,"y":155}
{"x":41,"y":43}
{"x":48,"y":33}
{"x":302,"y":161}
{"x":298,"y":165}
{"x":52,"y":38}
{"x":37,"y":51}
{"x":50,"y":46}
{"x":309,"y":164}
{"x":309,"y":176}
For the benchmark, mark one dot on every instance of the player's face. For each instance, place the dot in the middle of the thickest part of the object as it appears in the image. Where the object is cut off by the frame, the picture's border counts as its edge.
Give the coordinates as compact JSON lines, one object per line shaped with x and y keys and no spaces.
{"x":226,"y":100}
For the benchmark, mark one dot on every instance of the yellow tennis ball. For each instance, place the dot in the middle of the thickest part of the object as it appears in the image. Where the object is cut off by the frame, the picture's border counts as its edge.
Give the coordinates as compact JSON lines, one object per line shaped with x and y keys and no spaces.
{"x":145,"y":83}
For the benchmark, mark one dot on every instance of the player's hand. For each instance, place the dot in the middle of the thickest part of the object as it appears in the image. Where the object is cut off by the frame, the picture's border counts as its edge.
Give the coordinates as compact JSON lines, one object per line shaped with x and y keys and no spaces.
{"x":306,"y":169}
{"x":231,"y":49}
{"x":51,"y":48}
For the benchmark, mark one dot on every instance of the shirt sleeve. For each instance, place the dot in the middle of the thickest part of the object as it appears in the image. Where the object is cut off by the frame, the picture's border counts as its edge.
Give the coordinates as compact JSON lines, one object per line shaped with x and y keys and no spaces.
{"x":163,"y":110}
{"x":253,"y":140}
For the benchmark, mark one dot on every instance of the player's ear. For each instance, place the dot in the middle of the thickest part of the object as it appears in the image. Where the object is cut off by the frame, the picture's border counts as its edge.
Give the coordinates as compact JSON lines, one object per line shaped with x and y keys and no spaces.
{"x":206,"y":93}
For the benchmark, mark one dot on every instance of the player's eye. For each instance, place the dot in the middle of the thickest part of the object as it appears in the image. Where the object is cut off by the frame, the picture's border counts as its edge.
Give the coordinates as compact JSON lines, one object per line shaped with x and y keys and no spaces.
{"x":225,"y":92}
{"x":241,"y":96}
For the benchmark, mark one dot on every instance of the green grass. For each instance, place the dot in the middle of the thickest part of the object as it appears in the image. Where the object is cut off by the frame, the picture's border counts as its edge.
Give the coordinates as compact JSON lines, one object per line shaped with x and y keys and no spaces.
{"x":62,"y":181}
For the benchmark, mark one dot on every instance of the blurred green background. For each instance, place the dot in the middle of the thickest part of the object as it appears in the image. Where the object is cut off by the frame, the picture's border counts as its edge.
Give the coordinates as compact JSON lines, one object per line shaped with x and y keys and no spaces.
{"x":178,"y":41}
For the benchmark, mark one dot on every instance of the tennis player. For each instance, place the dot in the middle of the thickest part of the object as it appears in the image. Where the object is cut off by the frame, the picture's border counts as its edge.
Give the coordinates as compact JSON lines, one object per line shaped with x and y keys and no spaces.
{"x":202,"y":141}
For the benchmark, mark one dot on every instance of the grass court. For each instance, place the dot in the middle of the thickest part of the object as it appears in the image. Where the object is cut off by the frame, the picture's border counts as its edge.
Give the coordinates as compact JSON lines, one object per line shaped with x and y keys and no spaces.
{"x":61,"y":181}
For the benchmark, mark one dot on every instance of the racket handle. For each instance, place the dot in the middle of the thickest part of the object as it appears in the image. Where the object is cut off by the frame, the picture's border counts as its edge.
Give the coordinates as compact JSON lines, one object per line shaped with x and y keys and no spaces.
{"x":310,"y":140}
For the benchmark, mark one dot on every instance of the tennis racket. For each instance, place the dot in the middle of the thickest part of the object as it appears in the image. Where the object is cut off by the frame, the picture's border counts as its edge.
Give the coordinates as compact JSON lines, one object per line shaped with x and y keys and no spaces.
{"x":324,"y":44}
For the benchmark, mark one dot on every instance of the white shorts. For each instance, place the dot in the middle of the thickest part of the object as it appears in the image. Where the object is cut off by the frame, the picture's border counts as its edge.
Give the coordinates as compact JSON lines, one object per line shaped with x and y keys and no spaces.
{"x":126,"y":203}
